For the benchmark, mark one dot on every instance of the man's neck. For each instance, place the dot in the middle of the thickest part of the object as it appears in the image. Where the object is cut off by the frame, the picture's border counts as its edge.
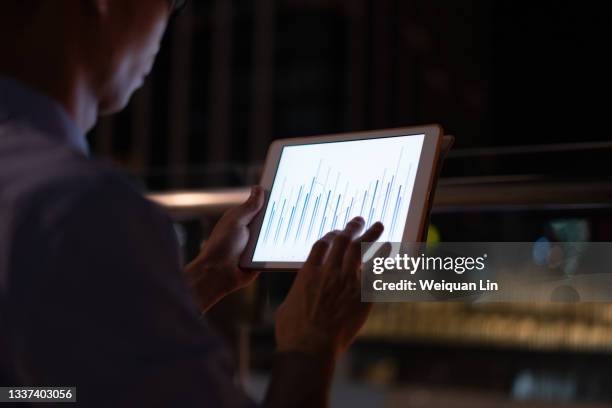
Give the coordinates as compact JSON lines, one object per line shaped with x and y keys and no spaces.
{"x":40,"y":56}
{"x":64,"y":86}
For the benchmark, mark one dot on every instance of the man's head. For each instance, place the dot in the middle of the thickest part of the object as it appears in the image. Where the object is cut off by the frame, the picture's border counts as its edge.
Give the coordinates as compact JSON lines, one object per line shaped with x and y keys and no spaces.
{"x":108,"y":46}
{"x":123,"y":38}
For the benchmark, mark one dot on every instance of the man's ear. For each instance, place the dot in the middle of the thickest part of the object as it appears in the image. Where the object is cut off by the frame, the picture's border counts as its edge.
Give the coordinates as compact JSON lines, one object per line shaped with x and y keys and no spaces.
{"x":99,"y":7}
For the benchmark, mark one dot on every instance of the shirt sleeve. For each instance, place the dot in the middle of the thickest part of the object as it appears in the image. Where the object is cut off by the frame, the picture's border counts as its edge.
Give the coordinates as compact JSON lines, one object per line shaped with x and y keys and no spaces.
{"x":103,"y":307}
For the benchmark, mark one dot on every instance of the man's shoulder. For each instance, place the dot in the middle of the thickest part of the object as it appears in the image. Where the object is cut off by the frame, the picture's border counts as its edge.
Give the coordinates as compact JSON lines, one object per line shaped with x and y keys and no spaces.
{"x":90,"y":188}
{"x":49,"y":180}
{"x":32,"y":163}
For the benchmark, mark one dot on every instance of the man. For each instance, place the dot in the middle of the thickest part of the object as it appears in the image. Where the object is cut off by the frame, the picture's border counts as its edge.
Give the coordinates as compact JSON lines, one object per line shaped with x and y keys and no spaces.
{"x":91,"y":291}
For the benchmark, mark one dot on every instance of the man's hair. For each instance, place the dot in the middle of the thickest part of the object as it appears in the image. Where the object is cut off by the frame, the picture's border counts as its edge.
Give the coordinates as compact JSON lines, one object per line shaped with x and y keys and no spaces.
{"x":12,"y":7}
{"x":15,"y":16}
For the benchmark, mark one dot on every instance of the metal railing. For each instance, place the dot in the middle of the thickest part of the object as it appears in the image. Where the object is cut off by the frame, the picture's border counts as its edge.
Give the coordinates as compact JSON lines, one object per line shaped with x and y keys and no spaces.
{"x":453,"y":194}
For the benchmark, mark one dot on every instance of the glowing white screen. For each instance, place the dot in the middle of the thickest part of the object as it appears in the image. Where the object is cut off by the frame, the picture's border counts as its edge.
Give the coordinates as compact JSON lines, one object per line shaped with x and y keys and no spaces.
{"x":319,"y":187}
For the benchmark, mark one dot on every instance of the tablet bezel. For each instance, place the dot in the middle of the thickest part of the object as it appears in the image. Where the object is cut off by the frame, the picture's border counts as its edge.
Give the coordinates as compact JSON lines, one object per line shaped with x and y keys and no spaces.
{"x":419,"y":204}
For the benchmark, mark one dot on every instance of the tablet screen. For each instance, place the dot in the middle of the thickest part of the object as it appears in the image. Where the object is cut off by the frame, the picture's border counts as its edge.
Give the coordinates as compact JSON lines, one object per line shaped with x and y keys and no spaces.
{"x":319,"y":187}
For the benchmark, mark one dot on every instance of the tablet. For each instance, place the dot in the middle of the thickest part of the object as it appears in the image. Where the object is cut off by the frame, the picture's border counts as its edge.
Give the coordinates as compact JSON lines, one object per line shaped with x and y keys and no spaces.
{"x":314,"y":185}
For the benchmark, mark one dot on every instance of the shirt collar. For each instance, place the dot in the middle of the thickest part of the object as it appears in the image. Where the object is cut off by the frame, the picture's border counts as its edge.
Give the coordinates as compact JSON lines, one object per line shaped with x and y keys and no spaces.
{"x":22,"y":103}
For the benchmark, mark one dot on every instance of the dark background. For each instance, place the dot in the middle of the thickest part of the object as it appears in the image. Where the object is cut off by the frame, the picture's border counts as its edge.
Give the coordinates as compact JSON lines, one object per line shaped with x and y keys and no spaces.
{"x":234,"y":75}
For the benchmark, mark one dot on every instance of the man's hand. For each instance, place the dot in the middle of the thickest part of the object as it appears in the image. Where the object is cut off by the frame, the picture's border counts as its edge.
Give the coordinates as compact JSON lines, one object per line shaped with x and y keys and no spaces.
{"x":215,"y":272}
{"x":323,"y":311}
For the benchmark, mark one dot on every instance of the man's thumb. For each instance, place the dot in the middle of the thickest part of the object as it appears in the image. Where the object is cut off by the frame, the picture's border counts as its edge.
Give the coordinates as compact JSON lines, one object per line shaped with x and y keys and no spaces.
{"x":247,"y":210}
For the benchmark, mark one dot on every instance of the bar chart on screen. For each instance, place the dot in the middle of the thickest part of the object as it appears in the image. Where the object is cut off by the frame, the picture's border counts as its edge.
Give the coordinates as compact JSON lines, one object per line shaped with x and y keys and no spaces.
{"x":320,"y":187}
